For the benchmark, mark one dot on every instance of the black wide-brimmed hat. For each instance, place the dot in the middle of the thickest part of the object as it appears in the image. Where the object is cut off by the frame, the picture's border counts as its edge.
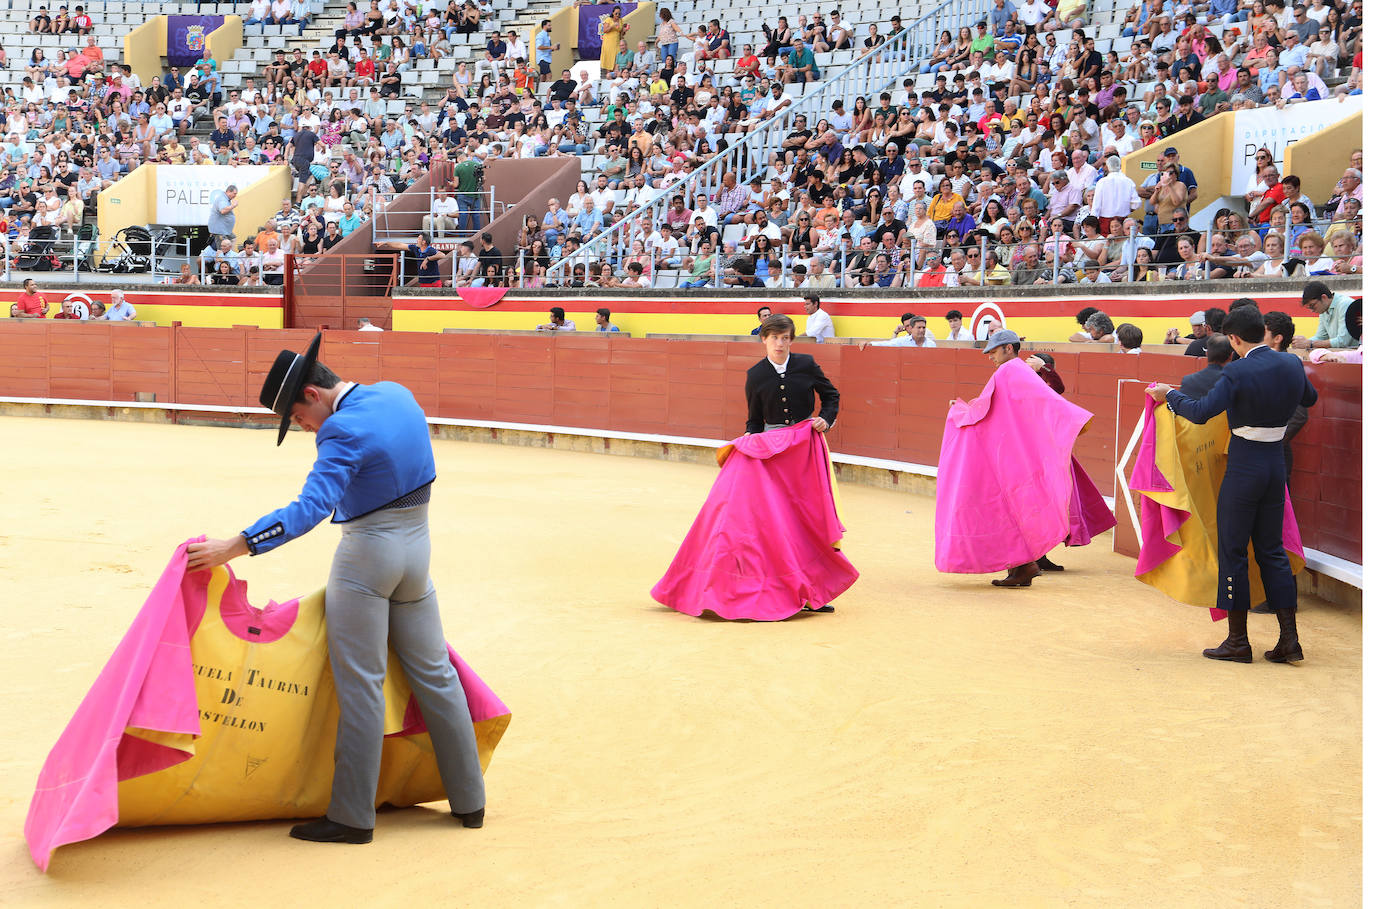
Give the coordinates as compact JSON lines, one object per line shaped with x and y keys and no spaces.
{"x":285,"y":380}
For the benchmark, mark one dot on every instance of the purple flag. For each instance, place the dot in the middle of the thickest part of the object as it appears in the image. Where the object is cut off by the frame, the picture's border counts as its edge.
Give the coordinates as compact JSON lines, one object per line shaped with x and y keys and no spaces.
{"x":186,"y":37}
{"x":588,"y":18}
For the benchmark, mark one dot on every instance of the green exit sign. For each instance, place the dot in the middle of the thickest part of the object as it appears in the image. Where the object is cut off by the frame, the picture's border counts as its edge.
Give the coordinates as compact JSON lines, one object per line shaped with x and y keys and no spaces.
{"x":1148,"y":165}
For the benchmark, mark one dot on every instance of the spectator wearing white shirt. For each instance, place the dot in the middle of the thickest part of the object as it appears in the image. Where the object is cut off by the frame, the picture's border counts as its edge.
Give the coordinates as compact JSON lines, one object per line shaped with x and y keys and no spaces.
{"x":442,"y":215}
{"x":1001,"y":71}
{"x":818,"y":324}
{"x":957,"y":331}
{"x":603,"y":199}
{"x":1033,"y":12}
{"x":1082,"y":175}
{"x":775,"y":277}
{"x":841,"y":32}
{"x":558,"y":320}
{"x":259,"y":13}
{"x":1118,"y":139}
{"x":1115,"y":195}
{"x":911,"y":333}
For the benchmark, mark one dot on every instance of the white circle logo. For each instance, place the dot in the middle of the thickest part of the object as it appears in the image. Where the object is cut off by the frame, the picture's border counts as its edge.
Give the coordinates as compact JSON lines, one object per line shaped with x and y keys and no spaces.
{"x":81,"y":304}
{"x":983,"y":318}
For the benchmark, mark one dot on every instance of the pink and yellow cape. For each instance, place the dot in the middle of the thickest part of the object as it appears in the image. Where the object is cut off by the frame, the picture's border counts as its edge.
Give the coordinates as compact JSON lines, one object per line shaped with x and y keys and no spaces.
{"x":1178,"y":474}
{"x":213,"y":710}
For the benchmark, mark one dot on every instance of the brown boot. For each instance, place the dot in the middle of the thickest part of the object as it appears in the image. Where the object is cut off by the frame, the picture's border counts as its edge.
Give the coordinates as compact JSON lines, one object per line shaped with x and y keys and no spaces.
{"x":1287,"y":650}
{"x":1236,"y":647}
{"x":1020,"y":576}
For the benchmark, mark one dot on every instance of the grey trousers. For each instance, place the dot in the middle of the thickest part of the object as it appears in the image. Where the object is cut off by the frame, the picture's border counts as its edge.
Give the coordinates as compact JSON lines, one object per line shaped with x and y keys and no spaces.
{"x":379,"y":591}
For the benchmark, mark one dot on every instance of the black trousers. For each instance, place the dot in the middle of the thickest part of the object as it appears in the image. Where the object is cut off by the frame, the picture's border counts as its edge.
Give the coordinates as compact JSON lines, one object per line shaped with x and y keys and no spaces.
{"x":1250,"y":512}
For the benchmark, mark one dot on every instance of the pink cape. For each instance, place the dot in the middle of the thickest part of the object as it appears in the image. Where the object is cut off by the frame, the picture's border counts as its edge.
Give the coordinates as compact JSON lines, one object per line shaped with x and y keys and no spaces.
{"x":1159,"y":522}
{"x":1008,"y":489}
{"x":1088,"y":511}
{"x":481,"y":297}
{"x":766,"y":540}
{"x":148,"y":684}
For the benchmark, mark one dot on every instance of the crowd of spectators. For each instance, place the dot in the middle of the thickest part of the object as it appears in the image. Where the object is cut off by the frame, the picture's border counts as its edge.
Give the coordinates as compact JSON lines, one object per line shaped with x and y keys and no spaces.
{"x":1005,"y":171}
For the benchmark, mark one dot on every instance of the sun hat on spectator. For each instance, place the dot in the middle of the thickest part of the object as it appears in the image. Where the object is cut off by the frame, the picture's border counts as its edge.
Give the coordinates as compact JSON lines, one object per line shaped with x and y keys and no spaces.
{"x":1198,"y":318}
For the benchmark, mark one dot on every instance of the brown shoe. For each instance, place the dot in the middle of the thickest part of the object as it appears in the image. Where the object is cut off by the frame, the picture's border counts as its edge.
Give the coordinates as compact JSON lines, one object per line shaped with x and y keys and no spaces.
{"x":1287,"y":650}
{"x":1020,"y":576}
{"x":1236,"y":647}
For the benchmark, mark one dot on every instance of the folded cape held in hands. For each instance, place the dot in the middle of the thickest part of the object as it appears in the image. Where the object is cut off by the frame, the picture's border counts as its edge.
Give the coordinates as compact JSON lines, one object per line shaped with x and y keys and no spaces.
{"x":767,"y":539}
{"x":1178,"y":474}
{"x":213,"y":710}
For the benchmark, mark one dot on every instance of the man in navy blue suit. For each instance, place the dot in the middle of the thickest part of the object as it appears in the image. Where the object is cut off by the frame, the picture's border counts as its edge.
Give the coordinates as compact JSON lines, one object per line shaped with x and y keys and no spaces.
{"x":1259,"y":392}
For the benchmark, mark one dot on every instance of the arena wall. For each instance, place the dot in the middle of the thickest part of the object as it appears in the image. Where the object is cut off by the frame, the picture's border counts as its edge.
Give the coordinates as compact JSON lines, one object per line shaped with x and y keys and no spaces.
{"x":893,"y":404}
{"x":707,"y":312}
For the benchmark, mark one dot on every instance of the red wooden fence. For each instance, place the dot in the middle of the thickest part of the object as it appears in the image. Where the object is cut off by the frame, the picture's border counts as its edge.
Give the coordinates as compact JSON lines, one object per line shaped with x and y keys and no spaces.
{"x":893,"y":401}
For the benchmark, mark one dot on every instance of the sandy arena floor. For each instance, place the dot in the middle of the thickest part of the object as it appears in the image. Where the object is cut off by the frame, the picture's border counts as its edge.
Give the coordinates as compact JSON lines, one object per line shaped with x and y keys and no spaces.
{"x":935,"y":742}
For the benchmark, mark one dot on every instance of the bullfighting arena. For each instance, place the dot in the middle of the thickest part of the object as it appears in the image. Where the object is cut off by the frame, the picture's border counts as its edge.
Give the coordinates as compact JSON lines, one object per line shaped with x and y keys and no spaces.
{"x":937,"y":741}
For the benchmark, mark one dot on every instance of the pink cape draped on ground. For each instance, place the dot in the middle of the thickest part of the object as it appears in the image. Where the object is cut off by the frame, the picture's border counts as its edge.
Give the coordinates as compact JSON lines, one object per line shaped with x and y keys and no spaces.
{"x":1007,"y":484}
{"x":765,"y":541}
{"x":1160,"y":523}
{"x":148,"y":685}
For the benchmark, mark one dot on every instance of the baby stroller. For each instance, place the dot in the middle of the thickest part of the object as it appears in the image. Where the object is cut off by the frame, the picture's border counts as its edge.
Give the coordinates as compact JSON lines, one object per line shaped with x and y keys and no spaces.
{"x":128,"y":252}
{"x":87,"y":242}
{"x":135,"y":248}
{"x":40,"y":255}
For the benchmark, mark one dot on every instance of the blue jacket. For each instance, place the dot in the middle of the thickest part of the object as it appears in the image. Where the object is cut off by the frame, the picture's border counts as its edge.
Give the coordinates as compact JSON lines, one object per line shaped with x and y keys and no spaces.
{"x":1262,"y":388}
{"x":372,"y":450}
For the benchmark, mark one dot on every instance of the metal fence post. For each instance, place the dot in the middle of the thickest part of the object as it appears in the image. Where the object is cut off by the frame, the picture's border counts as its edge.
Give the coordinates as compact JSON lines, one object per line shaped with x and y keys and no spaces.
{"x":983,"y":257}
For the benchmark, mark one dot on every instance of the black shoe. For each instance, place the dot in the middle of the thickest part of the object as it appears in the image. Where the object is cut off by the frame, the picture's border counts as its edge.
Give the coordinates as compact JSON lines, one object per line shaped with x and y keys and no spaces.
{"x":807,"y":607}
{"x":1046,"y":565}
{"x":326,"y":831}
{"x":471,"y":819}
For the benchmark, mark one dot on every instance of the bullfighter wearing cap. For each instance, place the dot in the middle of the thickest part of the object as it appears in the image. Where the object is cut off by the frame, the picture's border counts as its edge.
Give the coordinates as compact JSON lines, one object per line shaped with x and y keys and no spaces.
{"x":1008,"y":488}
{"x":373,"y":472}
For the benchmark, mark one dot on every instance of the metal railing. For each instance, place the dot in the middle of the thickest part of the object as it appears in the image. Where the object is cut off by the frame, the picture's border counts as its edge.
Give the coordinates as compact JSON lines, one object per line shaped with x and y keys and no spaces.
{"x":475,"y":212}
{"x":83,"y":258}
{"x":750,"y":153}
{"x":991,"y":263}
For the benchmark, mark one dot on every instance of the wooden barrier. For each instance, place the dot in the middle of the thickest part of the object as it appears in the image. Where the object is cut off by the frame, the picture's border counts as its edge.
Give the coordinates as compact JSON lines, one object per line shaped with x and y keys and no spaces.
{"x":603,"y":335}
{"x":893,"y":400}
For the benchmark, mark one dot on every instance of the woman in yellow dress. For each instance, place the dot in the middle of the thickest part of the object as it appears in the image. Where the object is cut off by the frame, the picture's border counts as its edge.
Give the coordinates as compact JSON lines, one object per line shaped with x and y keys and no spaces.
{"x":610,"y":30}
